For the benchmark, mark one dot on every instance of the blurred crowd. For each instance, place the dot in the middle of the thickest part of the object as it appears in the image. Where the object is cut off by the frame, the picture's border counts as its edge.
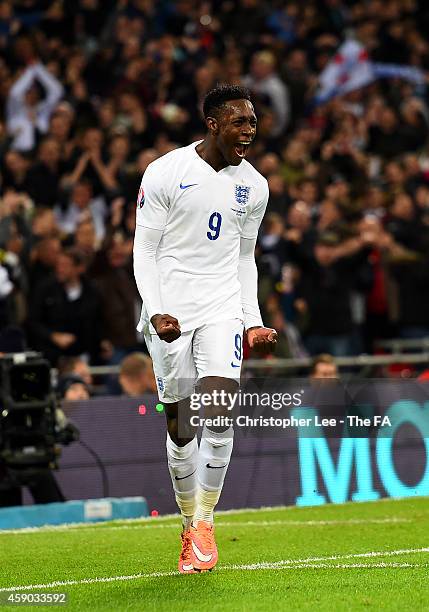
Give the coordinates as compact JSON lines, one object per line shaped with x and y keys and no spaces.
{"x":92,"y":91}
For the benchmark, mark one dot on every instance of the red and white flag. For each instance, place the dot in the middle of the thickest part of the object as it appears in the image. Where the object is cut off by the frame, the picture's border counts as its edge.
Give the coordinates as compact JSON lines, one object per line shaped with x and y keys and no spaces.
{"x":348,"y":70}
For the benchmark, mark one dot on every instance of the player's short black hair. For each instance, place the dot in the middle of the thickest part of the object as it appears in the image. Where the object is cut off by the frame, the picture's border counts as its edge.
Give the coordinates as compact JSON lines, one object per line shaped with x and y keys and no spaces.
{"x":217,"y":97}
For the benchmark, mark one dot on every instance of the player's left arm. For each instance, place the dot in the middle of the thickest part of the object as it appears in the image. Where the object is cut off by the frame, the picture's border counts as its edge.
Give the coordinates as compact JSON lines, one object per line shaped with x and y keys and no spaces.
{"x":262,"y":339}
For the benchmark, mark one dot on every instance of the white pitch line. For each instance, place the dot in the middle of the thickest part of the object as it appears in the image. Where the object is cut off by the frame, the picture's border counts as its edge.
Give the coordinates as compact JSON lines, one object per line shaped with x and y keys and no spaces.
{"x":281,"y":565}
{"x":353,"y":565}
{"x":103,"y":527}
{"x":268,"y":523}
{"x":273,"y":523}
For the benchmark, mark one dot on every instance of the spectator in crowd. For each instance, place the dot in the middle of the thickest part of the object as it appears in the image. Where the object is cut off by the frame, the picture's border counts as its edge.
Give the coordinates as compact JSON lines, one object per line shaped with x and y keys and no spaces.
{"x":66,"y":312}
{"x":328,"y":277}
{"x":28,"y":112}
{"x":75,"y":366}
{"x":296,"y":75}
{"x":43,"y":224}
{"x":16,"y":166}
{"x":136,"y":375}
{"x":264,"y":81}
{"x":43,"y":178}
{"x":85,"y":240}
{"x":80,"y":206}
{"x":119,"y":300}
{"x":323,"y":366}
{"x":73,"y":388}
{"x":43,"y":260}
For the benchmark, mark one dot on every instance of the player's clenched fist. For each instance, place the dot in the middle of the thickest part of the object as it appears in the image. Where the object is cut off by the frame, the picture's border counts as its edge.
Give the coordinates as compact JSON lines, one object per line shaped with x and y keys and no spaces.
{"x":262,"y":339}
{"x":166,"y":326}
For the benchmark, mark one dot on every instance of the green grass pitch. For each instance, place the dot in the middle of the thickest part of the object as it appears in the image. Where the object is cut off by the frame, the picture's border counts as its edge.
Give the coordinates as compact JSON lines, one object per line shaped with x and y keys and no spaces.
{"x":356,"y":556}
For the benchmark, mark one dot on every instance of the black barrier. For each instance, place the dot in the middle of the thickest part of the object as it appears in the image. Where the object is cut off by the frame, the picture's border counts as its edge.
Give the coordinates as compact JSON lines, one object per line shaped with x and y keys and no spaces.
{"x":294,"y":467}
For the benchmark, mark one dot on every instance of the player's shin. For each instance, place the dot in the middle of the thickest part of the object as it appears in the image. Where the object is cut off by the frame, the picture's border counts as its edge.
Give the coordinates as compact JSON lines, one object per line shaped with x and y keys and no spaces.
{"x":213,"y":461}
{"x":182,"y":465}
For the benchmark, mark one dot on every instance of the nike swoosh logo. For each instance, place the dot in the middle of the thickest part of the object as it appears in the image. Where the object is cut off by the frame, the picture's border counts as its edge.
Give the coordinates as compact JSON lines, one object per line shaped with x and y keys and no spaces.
{"x":215,"y":467}
{"x":187,"y":568}
{"x":186,"y":186}
{"x":234,"y":365}
{"x":199,"y":555}
{"x":183,"y":477}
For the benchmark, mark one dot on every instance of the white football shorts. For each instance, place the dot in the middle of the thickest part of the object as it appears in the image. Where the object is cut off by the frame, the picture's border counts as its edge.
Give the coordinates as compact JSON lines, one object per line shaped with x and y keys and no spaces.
{"x":215,"y":349}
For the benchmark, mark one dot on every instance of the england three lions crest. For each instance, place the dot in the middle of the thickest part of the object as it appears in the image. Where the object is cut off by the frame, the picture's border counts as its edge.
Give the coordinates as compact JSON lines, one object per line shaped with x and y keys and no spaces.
{"x":242,"y":194}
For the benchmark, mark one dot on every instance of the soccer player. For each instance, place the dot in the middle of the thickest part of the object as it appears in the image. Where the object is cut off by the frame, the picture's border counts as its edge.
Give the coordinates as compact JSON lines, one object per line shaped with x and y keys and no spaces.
{"x":198,"y":213}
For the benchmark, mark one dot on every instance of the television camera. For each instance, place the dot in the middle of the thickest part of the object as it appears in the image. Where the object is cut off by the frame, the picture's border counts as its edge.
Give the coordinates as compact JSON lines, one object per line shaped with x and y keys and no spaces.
{"x":31,"y":424}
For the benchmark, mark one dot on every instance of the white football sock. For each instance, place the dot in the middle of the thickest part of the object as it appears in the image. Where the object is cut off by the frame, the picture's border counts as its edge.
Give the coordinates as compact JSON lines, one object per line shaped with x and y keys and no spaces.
{"x":182,"y":465}
{"x":213,"y":461}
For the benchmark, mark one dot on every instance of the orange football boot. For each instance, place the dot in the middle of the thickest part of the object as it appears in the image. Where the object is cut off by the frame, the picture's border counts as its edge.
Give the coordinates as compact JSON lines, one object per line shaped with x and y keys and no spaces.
{"x":187,"y":557}
{"x":204,"y":549}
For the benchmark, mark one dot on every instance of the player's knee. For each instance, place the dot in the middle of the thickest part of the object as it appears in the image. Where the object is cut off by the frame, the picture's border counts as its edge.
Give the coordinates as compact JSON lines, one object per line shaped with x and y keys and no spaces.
{"x":180,"y":433}
{"x":223,"y":392}
{"x":178,"y":439}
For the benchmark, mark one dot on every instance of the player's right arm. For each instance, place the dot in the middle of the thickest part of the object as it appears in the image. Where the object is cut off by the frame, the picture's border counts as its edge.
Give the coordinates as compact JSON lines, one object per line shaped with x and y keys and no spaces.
{"x":151,"y":219}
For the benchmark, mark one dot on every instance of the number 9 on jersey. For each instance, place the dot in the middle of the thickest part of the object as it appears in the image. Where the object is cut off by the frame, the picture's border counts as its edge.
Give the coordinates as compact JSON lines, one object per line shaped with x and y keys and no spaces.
{"x":215,"y":222}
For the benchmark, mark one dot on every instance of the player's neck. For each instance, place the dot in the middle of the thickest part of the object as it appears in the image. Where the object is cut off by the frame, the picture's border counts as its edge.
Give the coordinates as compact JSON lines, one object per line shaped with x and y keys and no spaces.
{"x":209,"y":152}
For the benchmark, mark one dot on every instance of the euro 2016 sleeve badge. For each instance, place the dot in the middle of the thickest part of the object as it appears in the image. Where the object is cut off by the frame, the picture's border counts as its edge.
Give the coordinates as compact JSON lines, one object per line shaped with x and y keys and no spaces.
{"x":242,"y":194}
{"x":140,"y":198}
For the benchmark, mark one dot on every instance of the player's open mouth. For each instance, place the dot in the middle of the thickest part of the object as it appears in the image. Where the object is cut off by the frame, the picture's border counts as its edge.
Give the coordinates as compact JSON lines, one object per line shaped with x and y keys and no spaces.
{"x":241,"y":148}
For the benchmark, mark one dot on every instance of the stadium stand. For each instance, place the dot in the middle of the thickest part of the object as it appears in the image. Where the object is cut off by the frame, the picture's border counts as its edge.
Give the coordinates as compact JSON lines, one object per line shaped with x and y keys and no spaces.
{"x":91,"y":92}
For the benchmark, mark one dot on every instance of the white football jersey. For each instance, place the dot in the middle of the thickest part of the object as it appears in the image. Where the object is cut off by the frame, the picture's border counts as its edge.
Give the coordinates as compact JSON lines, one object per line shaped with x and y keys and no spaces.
{"x":202,"y":214}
